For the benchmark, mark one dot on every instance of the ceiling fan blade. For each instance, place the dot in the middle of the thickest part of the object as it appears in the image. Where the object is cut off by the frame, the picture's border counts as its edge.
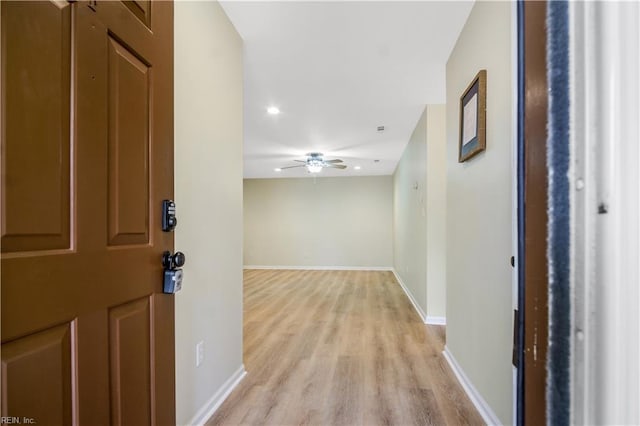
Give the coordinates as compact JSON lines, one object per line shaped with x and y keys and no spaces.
{"x":300,"y":161}
{"x":291,"y":167}
{"x":333,"y":161}
{"x":336,"y":166}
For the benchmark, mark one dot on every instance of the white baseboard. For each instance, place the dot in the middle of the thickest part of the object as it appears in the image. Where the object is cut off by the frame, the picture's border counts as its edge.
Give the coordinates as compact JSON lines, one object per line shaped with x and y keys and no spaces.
{"x":478,"y":401}
{"x":210,"y":407}
{"x":417,"y":307}
{"x":436,"y":320}
{"x":322,"y":268}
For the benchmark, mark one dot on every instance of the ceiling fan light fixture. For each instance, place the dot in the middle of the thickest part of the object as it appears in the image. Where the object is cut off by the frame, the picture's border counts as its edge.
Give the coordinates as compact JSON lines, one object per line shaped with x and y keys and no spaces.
{"x":315,"y":163}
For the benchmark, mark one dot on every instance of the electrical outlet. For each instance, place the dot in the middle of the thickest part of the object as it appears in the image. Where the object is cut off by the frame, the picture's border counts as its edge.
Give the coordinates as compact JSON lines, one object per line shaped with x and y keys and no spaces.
{"x":199,"y":353}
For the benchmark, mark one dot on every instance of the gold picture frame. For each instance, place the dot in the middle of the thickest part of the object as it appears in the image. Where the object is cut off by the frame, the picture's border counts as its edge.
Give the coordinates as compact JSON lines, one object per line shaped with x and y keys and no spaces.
{"x":473,"y":118}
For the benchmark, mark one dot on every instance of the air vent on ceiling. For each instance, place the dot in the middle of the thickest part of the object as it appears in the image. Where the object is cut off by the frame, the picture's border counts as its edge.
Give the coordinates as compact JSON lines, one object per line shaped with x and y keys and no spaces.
{"x":381,"y":128}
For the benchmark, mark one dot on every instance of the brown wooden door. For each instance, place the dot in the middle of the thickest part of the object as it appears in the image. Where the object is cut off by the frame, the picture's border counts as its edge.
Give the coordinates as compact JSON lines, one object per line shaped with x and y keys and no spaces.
{"x":87,"y":158}
{"x":535,"y":213}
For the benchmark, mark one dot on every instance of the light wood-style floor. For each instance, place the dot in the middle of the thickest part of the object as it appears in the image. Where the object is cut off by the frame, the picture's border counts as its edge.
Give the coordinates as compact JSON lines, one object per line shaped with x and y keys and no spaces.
{"x":340,"y":348}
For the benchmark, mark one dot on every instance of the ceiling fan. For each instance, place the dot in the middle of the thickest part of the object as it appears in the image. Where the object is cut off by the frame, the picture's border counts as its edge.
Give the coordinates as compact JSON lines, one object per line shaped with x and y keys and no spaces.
{"x":315,"y":162}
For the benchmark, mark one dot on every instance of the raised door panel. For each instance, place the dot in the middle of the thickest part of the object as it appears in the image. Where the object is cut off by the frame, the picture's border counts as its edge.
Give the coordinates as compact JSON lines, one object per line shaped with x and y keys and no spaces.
{"x":36,"y":140}
{"x":37,"y":377}
{"x":141,"y":9}
{"x":130,"y":358}
{"x":128,"y":106}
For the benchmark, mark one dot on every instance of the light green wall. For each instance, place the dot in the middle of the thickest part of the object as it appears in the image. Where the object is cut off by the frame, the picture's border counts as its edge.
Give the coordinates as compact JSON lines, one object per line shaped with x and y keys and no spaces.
{"x":409,"y":215}
{"x":419,"y":202}
{"x":335,"y":221}
{"x":208,"y":188}
{"x":436,"y":211}
{"x":479,"y":202}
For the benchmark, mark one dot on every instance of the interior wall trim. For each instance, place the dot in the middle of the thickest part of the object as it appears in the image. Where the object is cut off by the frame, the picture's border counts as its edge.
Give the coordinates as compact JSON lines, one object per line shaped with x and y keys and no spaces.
{"x":321,"y":268}
{"x":415,"y":304}
{"x":478,"y":401}
{"x":431,"y":320}
{"x":209,"y":408}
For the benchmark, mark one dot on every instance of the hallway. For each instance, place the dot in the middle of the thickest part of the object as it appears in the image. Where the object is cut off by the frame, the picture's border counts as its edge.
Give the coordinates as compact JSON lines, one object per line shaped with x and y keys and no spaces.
{"x":340,"y":347}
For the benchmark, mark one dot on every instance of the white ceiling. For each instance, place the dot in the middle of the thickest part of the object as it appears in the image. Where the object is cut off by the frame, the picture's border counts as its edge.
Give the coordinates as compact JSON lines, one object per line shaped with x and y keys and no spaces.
{"x":337,"y":71}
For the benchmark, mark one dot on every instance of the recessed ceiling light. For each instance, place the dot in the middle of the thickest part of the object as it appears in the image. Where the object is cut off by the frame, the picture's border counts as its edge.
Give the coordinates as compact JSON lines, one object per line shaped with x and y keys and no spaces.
{"x":273,"y":110}
{"x":277,"y":169}
{"x":357,"y":167}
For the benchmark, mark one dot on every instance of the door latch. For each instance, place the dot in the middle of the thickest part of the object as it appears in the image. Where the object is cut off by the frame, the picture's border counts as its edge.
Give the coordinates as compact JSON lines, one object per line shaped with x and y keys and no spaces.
{"x":172,"y":272}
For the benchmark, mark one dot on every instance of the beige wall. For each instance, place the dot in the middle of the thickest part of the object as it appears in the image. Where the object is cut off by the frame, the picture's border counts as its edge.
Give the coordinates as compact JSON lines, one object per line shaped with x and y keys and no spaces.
{"x":337,"y":221}
{"x":409,"y":215}
{"x":479,"y":235}
{"x":208,"y":187}
{"x":419,"y":204}
{"x":436,"y":211}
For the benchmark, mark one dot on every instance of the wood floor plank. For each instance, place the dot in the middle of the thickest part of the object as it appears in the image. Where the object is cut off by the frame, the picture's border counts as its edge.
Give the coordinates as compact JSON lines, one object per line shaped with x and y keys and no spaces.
{"x":340,"y":348}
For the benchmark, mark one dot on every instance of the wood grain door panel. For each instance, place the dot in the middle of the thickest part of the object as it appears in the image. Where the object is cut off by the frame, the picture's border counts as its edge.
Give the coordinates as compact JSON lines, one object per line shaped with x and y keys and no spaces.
{"x":36,"y":206}
{"x":141,"y":9}
{"x":81,"y":239}
{"x":25,"y":364}
{"x":130,"y":342}
{"x":128,"y":103}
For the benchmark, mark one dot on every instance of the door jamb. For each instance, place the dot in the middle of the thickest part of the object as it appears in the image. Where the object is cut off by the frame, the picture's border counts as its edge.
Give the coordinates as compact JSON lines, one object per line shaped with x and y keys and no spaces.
{"x":517,"y":230}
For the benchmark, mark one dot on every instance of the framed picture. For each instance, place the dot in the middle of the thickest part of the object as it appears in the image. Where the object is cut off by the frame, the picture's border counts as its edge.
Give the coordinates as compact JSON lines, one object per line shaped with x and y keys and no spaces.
{"x":473,"y":118}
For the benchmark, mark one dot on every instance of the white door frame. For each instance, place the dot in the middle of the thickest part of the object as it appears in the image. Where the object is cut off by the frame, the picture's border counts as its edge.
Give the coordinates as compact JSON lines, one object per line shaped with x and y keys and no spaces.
{"x":605,"y":112}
